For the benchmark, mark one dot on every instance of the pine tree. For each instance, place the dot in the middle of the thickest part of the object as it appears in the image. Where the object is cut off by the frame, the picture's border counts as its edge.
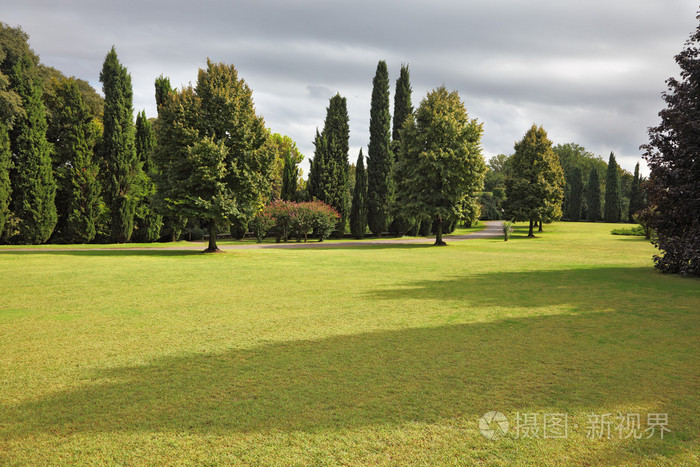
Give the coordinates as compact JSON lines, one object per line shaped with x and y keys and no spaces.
{"x":636,"y":194}
{"x":75,"y":166}
{"x":289,"y":178}
{"x":5,"y":167}
{"x":379,"y":157}
{"x":575,"y":199}
{"x":534,"y":190}
{"x":593,"y":196}
{"x":147,"y":222}
{"x":122,"y":170}
{"x":402,"y":102}
{"x":613,"y":199}
{"x":358,"y":213}
{"x":33,"y":184}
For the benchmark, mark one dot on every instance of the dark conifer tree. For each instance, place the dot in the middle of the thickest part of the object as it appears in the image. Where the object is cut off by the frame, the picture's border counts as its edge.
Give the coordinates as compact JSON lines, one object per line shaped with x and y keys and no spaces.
{"x":636,"y":195}
{"x":122,"y":169}
{"x":290,"y":174}
{"x":613,"y":198}
{"x":358,"y":213}
{"x":163,"y":88}
{"x":75,"y":166}
{"x":147,"y":222}
{"x":575,"y":199}
{"x":33,"y":184}
{"x":402,"y":102}
{"x":379,"y":157}
{"x":5,"y":167}
{"x":593,"y":196}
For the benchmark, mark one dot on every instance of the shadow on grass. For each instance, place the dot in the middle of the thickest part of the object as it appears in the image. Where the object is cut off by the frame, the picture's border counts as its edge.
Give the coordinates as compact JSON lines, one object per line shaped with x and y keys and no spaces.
{"x":174,"y":252}
{"x":593,"y":360}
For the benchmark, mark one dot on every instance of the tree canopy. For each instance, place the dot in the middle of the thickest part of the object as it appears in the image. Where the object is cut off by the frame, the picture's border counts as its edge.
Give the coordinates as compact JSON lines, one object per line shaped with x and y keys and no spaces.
{"x":440,"y":160}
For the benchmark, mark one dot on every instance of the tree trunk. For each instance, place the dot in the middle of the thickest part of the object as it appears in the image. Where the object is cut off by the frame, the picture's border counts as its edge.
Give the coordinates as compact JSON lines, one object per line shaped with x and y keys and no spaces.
{"x":438,"y":233}
{"x":540,"y":227}
{"x":212,"y":238}
{"x":532,"y":225}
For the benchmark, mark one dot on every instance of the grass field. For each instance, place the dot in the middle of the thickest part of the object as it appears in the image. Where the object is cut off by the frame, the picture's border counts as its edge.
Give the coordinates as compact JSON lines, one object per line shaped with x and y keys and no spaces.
{"x":347,"y":355}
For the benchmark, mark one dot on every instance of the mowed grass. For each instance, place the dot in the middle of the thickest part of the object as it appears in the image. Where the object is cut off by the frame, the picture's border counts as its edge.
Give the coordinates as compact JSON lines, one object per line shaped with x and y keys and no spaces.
{"x":346,"y":355}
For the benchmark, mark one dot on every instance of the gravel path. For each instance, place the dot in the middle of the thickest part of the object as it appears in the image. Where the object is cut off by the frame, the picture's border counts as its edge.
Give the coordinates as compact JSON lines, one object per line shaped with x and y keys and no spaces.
{"x":493,"y":229}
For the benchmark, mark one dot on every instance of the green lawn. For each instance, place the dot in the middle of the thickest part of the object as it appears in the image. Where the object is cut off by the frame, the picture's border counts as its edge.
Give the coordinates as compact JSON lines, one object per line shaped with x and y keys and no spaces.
{"x":383,"y":354}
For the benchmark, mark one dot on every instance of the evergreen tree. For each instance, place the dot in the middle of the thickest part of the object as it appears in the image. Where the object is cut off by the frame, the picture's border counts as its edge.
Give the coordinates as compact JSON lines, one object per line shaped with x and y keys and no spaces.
{"x":636,"y":194}
{"x":402,"y":102}
{"x":441,"y":159}
{"x":673,"y":156}
{"x":33,"y":185}
{"x":593,"y":196}
{"x":75,"y":167}
{"x":163,"y":89}
{"x":317,"y":170}
{"x":289,"y":178}
{"x":147,"y":222}
{"x":358,"y":213}
{"x":575,"y":200}
{"x":534,"y":190}
{"x":379,"y":157}
{"x":613,"y":199}
{"x":122,"y":169}
{"x":5,"y":167}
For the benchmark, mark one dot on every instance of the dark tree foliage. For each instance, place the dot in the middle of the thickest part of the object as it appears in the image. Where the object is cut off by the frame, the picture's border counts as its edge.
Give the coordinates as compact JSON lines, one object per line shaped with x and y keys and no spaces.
{"x":122,"y":171}
{"x":328,"y":176}
{"x":534,"y":189}
{"x":33,"y":184}
{"x":147,"y":221}
{"x":163,"y":89}
{"x":575,"y":200}
{"x":78,"y":197}
{"x":402,"y":102}
{"x":358,"y":213}
{"x":613,"y":198}
{"x":636,"y":194}
{"x":5,"y":167}
{"x":289,"y":178}
{"x":673,"y":155}
{"x":379,"y":157}
{"x":593,"y":197}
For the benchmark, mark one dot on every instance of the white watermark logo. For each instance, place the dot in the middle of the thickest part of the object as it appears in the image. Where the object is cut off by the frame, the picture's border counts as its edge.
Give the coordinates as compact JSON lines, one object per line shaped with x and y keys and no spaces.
{"x":493,"y":425}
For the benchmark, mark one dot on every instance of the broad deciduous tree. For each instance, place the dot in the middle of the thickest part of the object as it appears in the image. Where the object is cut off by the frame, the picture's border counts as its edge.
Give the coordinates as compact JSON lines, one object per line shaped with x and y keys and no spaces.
{"x":440,"y":160}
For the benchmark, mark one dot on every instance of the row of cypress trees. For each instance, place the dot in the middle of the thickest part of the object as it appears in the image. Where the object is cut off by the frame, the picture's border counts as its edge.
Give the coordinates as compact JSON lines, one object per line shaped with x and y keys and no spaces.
{"x":67,"y":175}
{"x":374,"y":181}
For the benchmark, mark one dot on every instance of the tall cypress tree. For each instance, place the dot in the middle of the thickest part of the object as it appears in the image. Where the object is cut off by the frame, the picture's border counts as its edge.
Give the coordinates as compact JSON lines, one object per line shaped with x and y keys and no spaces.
{"x":613,"y":198}
{"x":75,"y":166}
{"x":316,"y":185}
{"x":402,"y":102}
{"x":336,"y":131}
{"x":5,"y":167}
{"x":290,"y":174}
{"x":575,"y":200}
{"x":122,"y":171}
{"x":33,"y":185}
{"x":358,"y":213}
{"x":147,"y":222}
{"x":163,"y":88}
{"x":379,"y":157}
{"x":593,"y":196}
{"x":636,"y":194}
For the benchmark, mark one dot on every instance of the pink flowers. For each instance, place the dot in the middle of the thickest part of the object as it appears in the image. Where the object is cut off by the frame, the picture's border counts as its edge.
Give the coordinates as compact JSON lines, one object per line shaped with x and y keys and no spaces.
{"x":287,"y":218}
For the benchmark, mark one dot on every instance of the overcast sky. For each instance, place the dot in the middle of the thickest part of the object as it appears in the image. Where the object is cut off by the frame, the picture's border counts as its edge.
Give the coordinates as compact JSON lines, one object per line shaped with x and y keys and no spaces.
{"x":590,"y":71}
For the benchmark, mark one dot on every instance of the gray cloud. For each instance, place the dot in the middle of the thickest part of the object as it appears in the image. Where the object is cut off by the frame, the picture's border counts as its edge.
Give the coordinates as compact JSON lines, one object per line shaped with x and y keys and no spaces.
{"x":590,"y":72}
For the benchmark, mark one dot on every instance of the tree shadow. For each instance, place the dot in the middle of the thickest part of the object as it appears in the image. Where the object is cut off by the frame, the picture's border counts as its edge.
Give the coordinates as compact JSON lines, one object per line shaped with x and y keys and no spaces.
{"x":599,"y":356}
{"x":87,"y":252}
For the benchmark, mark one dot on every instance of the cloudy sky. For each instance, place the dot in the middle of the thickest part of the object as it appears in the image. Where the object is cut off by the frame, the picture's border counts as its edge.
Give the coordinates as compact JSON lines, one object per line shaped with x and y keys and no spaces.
{"x":590,"y":71}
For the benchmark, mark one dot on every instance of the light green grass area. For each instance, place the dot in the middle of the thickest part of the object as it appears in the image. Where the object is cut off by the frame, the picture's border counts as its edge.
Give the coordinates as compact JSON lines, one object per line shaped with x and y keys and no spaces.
{"x":383,"y":354}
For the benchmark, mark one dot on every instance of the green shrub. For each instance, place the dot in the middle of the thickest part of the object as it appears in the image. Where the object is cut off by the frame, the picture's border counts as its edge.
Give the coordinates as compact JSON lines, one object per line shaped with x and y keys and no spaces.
{"x":507,"y":230}
{"x":633,"y":231}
